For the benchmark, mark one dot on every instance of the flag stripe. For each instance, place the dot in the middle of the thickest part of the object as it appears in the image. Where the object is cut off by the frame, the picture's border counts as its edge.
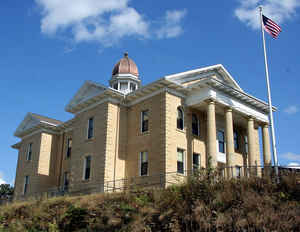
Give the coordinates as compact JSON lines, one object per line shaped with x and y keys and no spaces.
{"x":271,"y":27}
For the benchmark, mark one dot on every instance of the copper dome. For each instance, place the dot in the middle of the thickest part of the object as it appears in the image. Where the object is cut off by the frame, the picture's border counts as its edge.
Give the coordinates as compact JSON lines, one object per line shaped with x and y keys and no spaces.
{"x":126,"y":66}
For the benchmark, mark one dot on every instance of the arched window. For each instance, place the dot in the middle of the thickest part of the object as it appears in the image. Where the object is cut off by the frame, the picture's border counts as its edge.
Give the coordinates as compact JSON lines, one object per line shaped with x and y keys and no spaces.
{"x":195,"y":125}
{"x":180,"y":118}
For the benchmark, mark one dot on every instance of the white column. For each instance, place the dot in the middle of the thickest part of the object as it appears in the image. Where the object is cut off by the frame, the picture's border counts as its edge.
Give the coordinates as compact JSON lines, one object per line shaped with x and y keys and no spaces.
{"x":229,"y":141}
{"x":211,"y":134}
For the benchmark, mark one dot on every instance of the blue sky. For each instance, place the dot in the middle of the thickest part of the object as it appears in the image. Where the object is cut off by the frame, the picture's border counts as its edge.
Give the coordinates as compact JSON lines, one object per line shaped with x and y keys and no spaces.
{"x":48,"y":48}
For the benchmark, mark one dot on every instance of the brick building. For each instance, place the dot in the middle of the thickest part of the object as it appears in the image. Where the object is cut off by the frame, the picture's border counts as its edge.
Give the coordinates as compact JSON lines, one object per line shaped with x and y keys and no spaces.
{"x":127,"y":130}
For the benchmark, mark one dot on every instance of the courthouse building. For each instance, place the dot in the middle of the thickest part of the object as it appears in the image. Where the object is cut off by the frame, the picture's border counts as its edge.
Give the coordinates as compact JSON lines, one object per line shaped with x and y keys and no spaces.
{"x":177,"y":123}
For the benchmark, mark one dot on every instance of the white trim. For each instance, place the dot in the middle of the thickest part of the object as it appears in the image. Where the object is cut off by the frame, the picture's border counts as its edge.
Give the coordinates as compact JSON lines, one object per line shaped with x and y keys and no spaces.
{"x":235,"y":104}
{"x":221,"y":157}
{"x":81,"y":95}
{"x":125,"y":76}
{"x":107,"y":99}
{"x":215,"y":69}
{"x":184,"y":161}
{"x":40,"y":131}
{"x":176,"y":93}
{"x":140,"y":163}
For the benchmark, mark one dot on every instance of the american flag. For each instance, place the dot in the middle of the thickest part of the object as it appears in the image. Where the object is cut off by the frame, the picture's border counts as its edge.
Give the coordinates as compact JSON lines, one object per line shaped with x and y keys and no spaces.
{"x":271,"y":27}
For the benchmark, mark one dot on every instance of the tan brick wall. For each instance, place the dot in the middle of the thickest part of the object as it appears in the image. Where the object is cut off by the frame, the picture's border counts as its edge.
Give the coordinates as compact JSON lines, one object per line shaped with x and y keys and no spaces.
{"x":94,"y":147}
{"x":151,"y":141}
{"x":27,"y":168}
{"x":116,"y":146}
{"x":41,"y":169}
{"x":65,"y":161}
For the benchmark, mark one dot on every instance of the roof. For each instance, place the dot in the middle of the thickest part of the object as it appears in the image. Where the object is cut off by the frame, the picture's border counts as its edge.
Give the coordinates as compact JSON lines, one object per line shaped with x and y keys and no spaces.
{"x":126,"y":66}
{"x":33,"y":121}
{"x":46,"y":119}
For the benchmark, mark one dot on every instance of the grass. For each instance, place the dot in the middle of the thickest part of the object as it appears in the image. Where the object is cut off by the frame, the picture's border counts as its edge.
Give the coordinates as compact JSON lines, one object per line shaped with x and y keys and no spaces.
{"x":200,"y":204}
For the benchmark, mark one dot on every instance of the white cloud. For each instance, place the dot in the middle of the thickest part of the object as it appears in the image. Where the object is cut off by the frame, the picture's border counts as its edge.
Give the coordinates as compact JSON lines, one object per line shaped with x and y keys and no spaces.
{"x":100,"y":20}
{"x":171,"y":25}
{"x":291,"y":156}
{"x":1,"y":179}
{"x":294,"y":165}
{"x":291,"y":110}
{"x":277,"y":10}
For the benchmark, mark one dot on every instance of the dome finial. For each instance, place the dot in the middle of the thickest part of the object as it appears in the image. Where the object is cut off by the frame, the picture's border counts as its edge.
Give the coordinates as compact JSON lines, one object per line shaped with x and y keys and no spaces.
{"x":126,"y":54}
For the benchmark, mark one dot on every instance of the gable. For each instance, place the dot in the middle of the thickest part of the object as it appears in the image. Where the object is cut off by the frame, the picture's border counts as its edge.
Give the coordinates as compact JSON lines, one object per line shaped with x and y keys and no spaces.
{"x":198,"y":75}
{"x":28,"y":123}
{"x":87,"y":91}
{"x":31,"y":121}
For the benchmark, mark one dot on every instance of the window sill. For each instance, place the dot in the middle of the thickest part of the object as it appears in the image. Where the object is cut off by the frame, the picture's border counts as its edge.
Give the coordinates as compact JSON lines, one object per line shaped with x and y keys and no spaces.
{"x":89,"y":140}
{"x":180,"y":174}
{"x":85,"y":181}
{"x":196,"y":136}
{"x":145,"y":133}
{"x":182,"y":131}
{"x":144,"y":175}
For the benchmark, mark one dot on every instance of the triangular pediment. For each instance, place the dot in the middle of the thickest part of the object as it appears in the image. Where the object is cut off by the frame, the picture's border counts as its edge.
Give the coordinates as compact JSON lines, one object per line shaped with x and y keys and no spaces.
{"x":28,"y":123}
{"x":31,"y":120}
{"x":198,"y":75}
{"x":87,"y":91}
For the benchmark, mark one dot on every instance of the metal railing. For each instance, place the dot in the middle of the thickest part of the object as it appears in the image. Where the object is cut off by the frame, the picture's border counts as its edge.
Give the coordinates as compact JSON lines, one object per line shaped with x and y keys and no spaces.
{"x":164,"y":180}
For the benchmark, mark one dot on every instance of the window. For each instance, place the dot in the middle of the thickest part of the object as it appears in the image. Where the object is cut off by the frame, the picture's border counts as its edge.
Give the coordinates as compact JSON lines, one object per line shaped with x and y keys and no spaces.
{"x":179,"y":118}
{"x":132,"y":87}
{"x":144,"y":163}
{"x":145,"y":120}
{"x":123,"y":86}
{"x":29,"y":152}
{"x":66,"y":181}
{"x":180,"y":161}
{"x":26,"y":183}
{"x":69,"y":147}
{"x":246,"y":144}
{"x":196,"y":161}
{"x":87,"y":168}
{"x":238,"y":171}
{"x":236,"y":140}
{"x":91,"y":128}
{"x":195,"y":125}
{"x":221,"y":139}
{"x":115,"y":86}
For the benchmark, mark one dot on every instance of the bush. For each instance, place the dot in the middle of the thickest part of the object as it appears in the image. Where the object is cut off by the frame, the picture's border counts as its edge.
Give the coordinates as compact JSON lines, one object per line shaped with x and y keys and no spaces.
{"x":202,"y":203}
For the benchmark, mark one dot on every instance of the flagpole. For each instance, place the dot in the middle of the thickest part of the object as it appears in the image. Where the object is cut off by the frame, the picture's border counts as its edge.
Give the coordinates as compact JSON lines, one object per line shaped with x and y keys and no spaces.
{"x":269,"y":96}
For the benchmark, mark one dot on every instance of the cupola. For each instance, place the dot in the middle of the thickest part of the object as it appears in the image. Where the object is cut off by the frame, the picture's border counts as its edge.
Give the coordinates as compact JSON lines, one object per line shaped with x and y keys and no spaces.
{"x":125,"y":76}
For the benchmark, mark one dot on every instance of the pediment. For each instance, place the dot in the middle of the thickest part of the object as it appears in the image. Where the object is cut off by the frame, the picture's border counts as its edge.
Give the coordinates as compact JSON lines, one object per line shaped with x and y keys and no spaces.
{"x":87,"y":91}
{"x":198,"y":75}
{"x":32,"y":120}
{"x":29,"y":122}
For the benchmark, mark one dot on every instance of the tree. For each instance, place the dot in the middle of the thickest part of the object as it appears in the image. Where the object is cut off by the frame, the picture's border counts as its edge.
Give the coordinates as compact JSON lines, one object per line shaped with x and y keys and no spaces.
{"x":6,"y":191}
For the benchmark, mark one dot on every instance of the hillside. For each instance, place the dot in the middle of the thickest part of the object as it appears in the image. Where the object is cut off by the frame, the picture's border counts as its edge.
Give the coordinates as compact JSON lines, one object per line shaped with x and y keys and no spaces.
{"x":199,"y":205}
